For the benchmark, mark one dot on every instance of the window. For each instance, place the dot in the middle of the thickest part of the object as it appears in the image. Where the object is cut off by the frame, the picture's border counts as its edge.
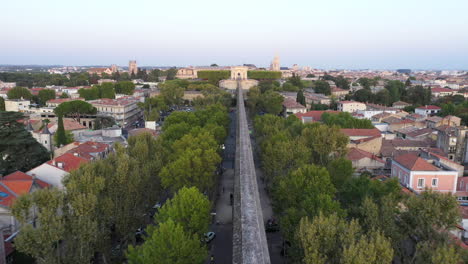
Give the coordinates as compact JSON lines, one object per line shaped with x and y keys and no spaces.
{"x":435,"y":182}
{"x":420,"y":183}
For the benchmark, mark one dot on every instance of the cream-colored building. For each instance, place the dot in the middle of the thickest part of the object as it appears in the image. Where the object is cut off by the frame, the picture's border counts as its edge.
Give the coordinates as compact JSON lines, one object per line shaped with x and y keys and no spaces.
{"x":275,"y":64}
{"x":17,"y":105}
{"x":350,"y":106}
{"x":124,"y":110}
{"x":132,"y":67}
{"x":238,"y":75}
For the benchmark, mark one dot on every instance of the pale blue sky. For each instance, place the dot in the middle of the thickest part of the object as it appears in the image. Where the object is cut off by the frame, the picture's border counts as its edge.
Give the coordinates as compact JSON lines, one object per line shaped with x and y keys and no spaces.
{"x":384,"y":34}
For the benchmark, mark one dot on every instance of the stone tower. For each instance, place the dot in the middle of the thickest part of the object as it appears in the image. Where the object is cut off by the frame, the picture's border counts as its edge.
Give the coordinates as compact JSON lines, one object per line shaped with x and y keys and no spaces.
{"x":45,"y":138}
{"x":132,"y":67}
{"x":275,"y":64}
{"x":114,"y":68}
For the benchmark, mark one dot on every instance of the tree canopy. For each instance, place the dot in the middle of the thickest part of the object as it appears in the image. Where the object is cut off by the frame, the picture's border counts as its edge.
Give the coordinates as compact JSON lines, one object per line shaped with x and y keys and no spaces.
{"x":19,"y":92}
{"x":20,"y":151}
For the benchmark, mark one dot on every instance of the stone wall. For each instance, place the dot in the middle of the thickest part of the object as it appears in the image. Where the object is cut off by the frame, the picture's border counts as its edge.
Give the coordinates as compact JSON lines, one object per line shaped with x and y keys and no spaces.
{"x":249,"y":238}
{"x":232,"y":84}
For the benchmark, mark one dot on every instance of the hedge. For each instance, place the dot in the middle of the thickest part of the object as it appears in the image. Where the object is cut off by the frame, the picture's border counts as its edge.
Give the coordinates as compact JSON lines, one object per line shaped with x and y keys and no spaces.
{"x":213,"y":75}
{"x":264,"y":75}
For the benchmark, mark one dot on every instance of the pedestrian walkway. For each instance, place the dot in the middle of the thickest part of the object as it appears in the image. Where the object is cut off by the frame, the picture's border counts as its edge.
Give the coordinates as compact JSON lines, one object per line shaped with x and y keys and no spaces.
{"x":249,"y":239}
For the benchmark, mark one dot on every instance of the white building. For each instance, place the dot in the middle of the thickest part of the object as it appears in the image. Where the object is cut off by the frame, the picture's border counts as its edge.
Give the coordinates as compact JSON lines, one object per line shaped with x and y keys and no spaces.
{"x":17,"y":105}
{"x":124,"y":110}
{"x":53,"y":171}
{"x":427,"y":110}
{"x":350,"y":106}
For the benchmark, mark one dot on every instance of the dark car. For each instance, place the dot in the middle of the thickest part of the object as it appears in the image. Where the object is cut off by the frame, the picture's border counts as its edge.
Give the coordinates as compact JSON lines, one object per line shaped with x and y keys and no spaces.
{"x":272,"y":226}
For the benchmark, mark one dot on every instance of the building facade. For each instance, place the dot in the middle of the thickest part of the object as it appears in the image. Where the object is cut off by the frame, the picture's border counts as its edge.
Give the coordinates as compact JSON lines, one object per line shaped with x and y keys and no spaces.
{"x":124,"y":110}
{"x":17,"y":105}
{"x":132,"y":67}
{"x":418,"y":175}
{"x":350,"y":106}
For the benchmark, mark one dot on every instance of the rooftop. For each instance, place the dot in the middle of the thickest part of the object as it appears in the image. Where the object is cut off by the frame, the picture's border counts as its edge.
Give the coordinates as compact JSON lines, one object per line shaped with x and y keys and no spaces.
{"x":289,"y":103}
{"x":316,"y":116}
{"x":415,"y":163}
{"x":429,"y":107}
{"x":358,"y":154}
{"x":67,"y":162}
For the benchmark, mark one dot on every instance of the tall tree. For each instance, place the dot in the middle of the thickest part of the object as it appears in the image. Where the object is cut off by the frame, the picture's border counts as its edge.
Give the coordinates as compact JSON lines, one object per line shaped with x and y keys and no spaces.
{"x":271,"y":102}
{"x":106,"y":90}
{"x":190,"y":209}
{"x":44,"y":240}
{"x":20,"y":151}
{"x":331,"y":239}
{"x":60,"y":136}
{"x":168,"y":244}
{"x":324,"y":142}
{"x":194,"y":167}
{"x":125,"y":87}
{"x":19,"y":92}
{"x":46,"y":95}
{"x":322,"y":87}
{"x":341,"y":170}
{"x":2,"y":104}
{"x":172,"y":93}
{"x":301,"y":98}
{"x":306,"y":191}
{"x":75,"y":109}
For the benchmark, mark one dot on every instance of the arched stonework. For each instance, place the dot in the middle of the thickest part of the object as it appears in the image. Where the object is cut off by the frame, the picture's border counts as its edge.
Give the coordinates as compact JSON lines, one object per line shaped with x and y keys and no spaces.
{"x":239,"y":73}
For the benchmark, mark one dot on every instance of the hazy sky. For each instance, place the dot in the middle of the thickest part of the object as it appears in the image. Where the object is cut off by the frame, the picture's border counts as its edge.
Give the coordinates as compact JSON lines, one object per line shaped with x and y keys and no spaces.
{"x":384,"y":34}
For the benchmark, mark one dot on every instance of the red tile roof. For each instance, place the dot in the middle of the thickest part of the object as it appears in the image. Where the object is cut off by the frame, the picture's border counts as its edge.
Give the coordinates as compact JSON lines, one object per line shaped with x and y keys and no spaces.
{"x":429,"y":107}
{"x":358,"y":154}
{"x":441,"y":90}
{"x":16,"y":184}
{"x":69,"y":162}
{"x":315,"y":115}
{"x":68,"y":124}
{"x":415,"y":163}
{"x":62,"y":100}
{"x":289,"y":103}
{"x":361,"y":132}
{"x":84,"y":150}
{"x":349,"y":102}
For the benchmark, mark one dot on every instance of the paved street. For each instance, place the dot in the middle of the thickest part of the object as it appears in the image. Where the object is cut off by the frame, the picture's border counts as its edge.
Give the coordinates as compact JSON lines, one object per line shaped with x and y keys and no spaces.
{"x":274,"y":238}
{"x":221,"y":246}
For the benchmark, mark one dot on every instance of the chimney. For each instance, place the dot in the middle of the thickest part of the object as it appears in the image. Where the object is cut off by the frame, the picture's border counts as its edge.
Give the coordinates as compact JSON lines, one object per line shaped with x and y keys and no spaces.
{"x":33,"y":176}
{"x":54,"y":163}
{"x":75,"y":154}
{"x":60,"y":165}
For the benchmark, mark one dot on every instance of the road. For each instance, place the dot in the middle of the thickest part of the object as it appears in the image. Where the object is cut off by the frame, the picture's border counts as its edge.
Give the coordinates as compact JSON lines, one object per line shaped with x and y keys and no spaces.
{"x":274,"y":239}
{"x":221,"y":246}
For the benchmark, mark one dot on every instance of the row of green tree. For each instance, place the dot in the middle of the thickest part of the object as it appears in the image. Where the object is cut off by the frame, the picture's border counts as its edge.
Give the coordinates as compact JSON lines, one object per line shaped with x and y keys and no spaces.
{"x":345,"y":120}
{"x":395,"y":91}
{"x":107,"y":90}
{"x":107,"y":200}
{"x":41,"y":98}
{"x":27,"y":79}
{"x":327,"y":215}
{"x":269,"y":101}
{"x":454,"y":105}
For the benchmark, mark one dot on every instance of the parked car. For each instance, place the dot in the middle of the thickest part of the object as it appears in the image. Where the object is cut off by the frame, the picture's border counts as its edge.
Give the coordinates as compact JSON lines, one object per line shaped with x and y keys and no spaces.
{"x":271,"y":226}
{"x":208,"y":237}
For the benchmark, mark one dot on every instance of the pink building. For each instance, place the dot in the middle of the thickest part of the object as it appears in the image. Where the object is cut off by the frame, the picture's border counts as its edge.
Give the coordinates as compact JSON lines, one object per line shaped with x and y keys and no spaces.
{"x":417,"y":174}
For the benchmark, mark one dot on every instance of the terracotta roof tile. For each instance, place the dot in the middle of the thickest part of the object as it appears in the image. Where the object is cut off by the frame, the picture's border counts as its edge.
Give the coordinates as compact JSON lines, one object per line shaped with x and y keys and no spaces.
{"x":315,"y":115}
{"x":358,"y":154}
{"x":67,"y":162}
{"x":429,"y":107}
{"x":415,"y":163}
